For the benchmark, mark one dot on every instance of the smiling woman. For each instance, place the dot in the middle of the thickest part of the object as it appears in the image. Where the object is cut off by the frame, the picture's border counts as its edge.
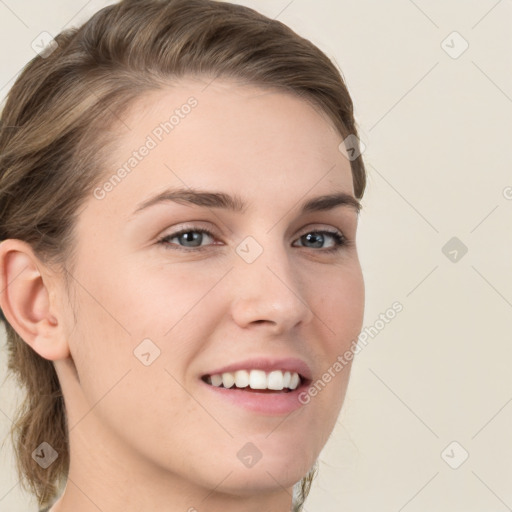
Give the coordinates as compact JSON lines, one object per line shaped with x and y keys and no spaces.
{"x":165,"y":329}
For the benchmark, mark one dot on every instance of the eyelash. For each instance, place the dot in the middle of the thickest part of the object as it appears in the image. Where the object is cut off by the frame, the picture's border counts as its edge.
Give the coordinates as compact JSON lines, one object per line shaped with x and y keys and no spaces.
{"x":340,"y":240}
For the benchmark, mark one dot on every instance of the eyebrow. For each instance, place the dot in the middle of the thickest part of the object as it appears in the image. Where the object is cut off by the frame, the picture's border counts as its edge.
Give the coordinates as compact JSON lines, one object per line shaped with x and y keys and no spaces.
{"x":236,"y":204}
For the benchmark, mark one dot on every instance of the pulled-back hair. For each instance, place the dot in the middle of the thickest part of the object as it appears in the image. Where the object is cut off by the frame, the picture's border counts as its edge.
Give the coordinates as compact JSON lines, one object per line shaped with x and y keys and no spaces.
{"x":55,"y":131}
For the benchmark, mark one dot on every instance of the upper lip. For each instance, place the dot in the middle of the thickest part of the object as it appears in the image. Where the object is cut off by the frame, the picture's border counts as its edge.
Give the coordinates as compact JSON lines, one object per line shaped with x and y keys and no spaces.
{"x":267,"y":364}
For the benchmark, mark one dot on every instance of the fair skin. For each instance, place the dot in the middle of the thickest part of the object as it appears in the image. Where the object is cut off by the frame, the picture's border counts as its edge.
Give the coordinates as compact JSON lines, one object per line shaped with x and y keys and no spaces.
{"x":156,"y":437}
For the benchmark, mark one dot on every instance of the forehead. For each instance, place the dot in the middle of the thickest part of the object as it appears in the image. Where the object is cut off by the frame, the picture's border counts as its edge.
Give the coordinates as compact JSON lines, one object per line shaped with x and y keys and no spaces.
{"x":225,"y":135}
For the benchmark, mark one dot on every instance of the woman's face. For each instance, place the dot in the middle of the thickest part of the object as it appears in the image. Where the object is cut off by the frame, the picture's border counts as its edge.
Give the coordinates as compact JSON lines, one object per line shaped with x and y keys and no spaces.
{"x":268,"y":287}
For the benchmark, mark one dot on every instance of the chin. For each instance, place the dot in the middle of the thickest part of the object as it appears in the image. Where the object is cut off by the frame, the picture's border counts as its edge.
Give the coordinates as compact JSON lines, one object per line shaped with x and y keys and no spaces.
{"x":266,"y":475}
{"x":247,"y":483}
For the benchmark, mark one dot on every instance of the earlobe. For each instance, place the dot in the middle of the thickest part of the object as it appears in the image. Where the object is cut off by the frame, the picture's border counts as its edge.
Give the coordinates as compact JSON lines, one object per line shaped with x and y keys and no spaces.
{"x":25,"y":300}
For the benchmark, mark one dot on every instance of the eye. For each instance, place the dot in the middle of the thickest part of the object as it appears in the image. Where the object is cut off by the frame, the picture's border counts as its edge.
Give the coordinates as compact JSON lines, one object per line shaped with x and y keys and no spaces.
{"x":190,"y":239}
{"x":318,"y":238}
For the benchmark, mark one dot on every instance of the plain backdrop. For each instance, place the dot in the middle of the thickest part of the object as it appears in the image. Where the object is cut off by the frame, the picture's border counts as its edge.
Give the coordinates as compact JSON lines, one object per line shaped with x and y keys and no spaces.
{"x":427,"y":421}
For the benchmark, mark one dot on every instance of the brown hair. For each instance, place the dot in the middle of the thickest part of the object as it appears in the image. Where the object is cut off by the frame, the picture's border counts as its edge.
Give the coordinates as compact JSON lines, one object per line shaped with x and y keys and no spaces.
{"x":50,"y":149}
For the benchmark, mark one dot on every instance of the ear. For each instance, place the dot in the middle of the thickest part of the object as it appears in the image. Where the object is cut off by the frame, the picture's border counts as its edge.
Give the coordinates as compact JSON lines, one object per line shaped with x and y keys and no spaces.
{"x":25,"y":290}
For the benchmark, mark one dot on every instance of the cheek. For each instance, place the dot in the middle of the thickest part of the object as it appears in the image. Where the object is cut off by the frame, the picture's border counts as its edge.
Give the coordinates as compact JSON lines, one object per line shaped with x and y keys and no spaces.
{"x":129,"y":373}
{"x":158,"y":298}
{"x":152,"y":320}
{"x":340,"y":307}
{"x":340,"y":310}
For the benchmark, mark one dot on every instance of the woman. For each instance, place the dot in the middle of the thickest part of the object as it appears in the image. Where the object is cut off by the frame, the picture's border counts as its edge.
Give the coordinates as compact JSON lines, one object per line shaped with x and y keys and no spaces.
{"x":179,"y":196}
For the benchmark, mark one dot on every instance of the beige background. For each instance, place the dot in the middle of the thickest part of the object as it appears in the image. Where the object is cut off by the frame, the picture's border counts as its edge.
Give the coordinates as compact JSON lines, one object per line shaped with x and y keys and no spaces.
{"x":438,"y":135}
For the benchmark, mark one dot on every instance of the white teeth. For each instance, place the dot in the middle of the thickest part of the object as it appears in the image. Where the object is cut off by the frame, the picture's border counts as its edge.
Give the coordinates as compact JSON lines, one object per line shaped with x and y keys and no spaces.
{"x":275,"y":380}
{"x":242,"y":378}
{"x":294,"y":382}
{"x":256,"y":379}
{"x":216,"y":380}
{"x":228,"y":379}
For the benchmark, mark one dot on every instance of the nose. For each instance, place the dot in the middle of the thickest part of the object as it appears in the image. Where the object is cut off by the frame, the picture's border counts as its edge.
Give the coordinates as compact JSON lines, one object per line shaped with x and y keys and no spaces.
{"x":269,"y":291}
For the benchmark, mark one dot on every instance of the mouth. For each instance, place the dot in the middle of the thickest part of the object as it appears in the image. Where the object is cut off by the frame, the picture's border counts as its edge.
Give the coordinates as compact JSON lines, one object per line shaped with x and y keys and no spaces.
{"x":267,"y":386}
{"x":257,"y":381}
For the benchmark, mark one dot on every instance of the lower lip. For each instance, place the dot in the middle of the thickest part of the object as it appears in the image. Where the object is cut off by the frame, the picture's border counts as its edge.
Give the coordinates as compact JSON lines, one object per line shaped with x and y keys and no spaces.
{"x":274,"y":404}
